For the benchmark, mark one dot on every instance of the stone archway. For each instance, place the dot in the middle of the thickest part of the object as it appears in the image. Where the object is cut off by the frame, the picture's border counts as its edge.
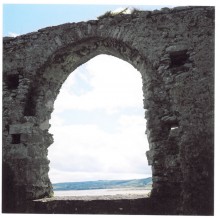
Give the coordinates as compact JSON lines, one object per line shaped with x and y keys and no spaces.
{"x":48,"y":85}
{"x":179,"y":112}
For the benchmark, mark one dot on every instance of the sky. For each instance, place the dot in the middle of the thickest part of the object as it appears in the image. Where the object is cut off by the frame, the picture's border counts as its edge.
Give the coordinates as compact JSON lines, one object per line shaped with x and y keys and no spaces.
{"x":23,"y":18}
{"x":98,"y":122}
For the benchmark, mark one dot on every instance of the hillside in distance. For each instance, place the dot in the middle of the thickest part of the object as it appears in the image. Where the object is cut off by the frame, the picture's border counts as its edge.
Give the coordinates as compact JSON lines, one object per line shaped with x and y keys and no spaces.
{"x":104,"y":184}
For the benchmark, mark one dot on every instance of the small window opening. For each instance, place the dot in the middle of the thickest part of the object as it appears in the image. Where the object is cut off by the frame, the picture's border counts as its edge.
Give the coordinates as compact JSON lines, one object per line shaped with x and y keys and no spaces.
{"x":16,"y":138}
{"x":12,"y":81}
{"x":30,"y":105}
{"x":178,"y":58}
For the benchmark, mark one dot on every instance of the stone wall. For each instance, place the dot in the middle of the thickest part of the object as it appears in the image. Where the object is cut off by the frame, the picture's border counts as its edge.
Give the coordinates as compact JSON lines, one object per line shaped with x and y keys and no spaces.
{"x":173,"y":49}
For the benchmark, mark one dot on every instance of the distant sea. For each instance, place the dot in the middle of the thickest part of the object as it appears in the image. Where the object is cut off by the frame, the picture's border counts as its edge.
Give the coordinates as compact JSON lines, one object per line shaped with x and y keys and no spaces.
{"x":127,"y":189}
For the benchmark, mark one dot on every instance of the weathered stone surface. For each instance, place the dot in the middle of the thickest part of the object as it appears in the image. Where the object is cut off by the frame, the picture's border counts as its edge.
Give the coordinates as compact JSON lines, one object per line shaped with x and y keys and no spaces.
{"x":45,"y":125}
{"x":20,"y":128}
{"x":173,"y":49}
{"x":176,"y":48}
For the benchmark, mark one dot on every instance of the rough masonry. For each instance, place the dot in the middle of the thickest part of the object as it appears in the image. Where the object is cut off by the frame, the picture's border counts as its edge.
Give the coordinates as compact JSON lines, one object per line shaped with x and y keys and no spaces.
{"x":173,"y":49}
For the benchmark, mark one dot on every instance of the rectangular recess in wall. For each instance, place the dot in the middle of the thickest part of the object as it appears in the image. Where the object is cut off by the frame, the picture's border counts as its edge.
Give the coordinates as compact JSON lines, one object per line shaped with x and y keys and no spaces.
{"x":12,"y":81}
{"x":178,"y":58}
{"x":16,"y":138}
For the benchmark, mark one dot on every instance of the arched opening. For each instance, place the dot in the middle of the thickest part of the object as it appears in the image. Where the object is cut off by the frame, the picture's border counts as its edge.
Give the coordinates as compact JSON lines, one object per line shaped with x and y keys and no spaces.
{"x":98,"y":127}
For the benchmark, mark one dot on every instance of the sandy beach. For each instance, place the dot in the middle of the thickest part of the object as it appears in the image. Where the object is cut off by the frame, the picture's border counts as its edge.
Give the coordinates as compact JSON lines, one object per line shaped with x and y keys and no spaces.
{"x":104,"y":193}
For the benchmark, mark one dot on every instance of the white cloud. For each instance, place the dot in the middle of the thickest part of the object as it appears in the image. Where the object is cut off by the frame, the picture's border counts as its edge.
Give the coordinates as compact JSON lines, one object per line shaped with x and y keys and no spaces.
{"x":102,"y":73}
{"x":86,"y":148}
{"x":87,"y":151}
{"x":11,"y":34}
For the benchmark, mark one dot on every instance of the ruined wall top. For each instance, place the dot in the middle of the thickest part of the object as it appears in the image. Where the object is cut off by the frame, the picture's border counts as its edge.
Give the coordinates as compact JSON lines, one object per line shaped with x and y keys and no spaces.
{"x":132,"y":29}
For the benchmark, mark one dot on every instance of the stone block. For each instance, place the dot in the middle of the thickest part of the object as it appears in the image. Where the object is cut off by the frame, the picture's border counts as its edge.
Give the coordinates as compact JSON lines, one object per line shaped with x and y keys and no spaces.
{"x":21,"y":128}
{"x":150,"y":155}
{"x":45,"y":125}
{"x":30,"y":119}
{"x":31,"y":138}
{"x":176,"y":48}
